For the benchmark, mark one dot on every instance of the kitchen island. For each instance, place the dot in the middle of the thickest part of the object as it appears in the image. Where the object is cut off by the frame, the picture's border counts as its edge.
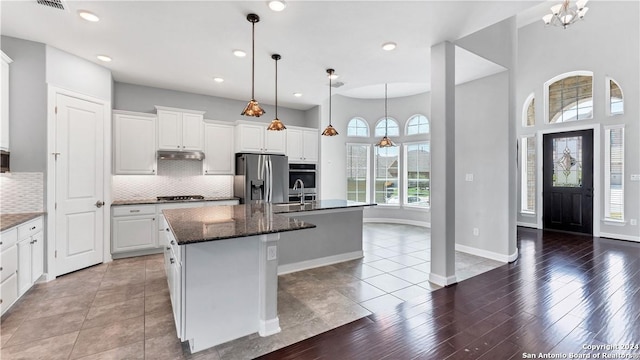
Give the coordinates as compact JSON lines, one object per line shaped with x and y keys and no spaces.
{"x":222,"y":263}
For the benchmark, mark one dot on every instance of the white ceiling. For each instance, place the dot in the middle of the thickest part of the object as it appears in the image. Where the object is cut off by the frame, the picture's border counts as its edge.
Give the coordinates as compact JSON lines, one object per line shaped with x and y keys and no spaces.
{"x":182,"y":45}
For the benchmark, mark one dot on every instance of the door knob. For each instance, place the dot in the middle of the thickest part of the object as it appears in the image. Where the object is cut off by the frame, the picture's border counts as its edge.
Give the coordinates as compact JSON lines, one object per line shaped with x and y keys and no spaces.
{"x":99,"y":204}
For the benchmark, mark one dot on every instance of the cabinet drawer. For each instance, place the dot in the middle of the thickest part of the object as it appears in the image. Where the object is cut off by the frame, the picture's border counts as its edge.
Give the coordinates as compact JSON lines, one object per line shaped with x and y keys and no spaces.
{"x":9,"y":291}
{"x":8,"y":238}
{"x":134,"y":210}
{"x":9,"y":262}
{"x":30,"y":228}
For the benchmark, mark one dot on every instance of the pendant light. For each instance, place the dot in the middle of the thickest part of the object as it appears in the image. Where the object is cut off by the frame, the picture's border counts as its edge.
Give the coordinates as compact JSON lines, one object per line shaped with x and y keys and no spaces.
{"x":330,"y":130}
{"x":276,"y":124}
{"x":385,"y":141}
{"x":253,"y":108}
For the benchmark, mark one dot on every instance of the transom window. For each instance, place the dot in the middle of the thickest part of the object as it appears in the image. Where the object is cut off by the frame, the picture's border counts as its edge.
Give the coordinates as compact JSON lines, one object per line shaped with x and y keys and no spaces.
{"x":392,"y":127}
{"x":418,"y":124}
{"x":571,"y":98}
{"x":357,"y":127}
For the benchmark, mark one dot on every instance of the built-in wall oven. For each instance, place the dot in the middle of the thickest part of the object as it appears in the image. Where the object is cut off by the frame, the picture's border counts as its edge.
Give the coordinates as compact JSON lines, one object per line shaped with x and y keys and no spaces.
{"x":305,"y":173}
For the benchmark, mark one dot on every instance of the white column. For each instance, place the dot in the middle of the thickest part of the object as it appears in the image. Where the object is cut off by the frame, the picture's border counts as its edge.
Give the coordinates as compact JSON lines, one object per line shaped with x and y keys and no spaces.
{"x":268,"y":285}
{"x":443,"y":163}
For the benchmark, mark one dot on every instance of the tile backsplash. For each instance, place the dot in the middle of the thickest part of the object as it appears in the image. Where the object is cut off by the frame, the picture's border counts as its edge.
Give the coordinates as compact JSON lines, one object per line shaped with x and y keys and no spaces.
{"x":175,"y":177}
{"x":21,"y":192}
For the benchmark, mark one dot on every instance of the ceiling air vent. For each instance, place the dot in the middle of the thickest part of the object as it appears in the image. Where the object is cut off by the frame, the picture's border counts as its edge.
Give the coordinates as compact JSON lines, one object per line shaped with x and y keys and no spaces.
{"x":337,"y":84}
{"x":56,"y":4}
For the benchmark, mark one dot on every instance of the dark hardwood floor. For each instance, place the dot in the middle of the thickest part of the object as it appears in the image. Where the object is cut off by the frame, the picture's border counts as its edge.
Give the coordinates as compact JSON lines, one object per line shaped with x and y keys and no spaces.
{"x":564,"y":294}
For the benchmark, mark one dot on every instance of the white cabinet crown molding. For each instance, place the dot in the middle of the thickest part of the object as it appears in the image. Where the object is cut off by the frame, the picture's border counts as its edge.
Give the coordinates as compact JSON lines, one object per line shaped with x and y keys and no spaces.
{"x":166,"y":108}
{"x":133,"y":113}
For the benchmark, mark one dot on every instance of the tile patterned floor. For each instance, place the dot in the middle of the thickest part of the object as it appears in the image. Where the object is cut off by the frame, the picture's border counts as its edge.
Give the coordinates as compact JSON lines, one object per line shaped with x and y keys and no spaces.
{"x":122,"y":310}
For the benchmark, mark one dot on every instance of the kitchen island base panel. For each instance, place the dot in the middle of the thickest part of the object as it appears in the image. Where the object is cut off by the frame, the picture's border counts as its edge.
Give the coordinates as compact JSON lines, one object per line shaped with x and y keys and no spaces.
{"x":230,"y":290}
{"x":337,"y":237}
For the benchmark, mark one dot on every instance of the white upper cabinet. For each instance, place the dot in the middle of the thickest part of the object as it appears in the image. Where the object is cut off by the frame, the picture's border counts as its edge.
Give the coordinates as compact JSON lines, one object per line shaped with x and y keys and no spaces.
{"x":218,"y":149}
{"x":135,"y":143}
{"x":180,"y":129}
{"x":4,"y":105}
{"x":254,"y":138}
{"x":302,"y":144}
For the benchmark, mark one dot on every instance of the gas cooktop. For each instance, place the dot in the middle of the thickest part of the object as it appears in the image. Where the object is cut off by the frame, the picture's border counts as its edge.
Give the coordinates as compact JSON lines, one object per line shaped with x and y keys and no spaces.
{"x":180,"y":197}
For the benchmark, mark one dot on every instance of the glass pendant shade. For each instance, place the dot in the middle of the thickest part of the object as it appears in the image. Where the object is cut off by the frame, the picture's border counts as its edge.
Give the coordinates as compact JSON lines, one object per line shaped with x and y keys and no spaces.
{"x":385,"y":141}
{"x":330,"y":130}
{"x":253,"y":108}
{"x":276,"y":124}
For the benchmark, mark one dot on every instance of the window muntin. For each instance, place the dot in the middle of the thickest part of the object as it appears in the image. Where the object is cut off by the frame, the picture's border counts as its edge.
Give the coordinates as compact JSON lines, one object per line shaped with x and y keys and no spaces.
{"x":570,"y":98}
{"x":417,"y":174}
{"x":386,"y":176}
{"x":614,"y":173}
{"x":358,"y":127}
{"x":528,"y":175}
{"x":392,"y":127}
{"x":529,"y":111}
{"x":616,"y":99}
{"x":417,"y":124}
{"x":358,"y":172}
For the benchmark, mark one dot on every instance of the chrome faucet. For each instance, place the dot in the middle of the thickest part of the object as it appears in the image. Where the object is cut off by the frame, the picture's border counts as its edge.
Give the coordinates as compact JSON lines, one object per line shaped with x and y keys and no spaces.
{"x":295,"y":187}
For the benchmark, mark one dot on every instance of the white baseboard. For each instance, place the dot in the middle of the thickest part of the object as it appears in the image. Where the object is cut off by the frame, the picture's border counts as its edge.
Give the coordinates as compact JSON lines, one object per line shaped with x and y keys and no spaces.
{"x":528,"y":225}
{"x":269,"y":327}
{"x":441,"y":280}
{"x":397,"y":221}
{"x":487,"y":254}
{"x":620,"y":237}
{"x":310,"y":264}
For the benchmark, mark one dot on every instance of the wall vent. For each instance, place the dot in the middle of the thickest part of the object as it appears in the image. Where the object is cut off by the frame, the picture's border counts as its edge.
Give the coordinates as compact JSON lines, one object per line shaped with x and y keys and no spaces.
{"x":57,"y":4}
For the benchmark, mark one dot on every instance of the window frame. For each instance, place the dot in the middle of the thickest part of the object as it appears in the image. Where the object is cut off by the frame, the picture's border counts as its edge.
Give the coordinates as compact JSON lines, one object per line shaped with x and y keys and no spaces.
{"x":368,"y":172}
{"x":608,"y":96}
{"x":408,"y":123}
{"x":607,"y":174}
{"x":525,"y":111}
{"x":549,"y":82}
{"x":405,"y":174}
{"x":382,"y":119}
{"x":524,"y":194}
{"x":366,"y":123}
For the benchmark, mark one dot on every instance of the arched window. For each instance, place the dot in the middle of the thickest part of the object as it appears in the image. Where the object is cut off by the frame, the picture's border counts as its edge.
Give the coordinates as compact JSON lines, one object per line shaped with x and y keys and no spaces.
{"x":615,"y":98}
{"x":392,"y":128}
{"x":357,"y":127}
{"x":417,"y":124}
{"x":570,"y":97}
{"x":529,"y":111}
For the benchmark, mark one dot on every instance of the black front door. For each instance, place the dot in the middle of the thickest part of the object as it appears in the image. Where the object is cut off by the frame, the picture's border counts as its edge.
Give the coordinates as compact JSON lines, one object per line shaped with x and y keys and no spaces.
{"x":567,"y":187}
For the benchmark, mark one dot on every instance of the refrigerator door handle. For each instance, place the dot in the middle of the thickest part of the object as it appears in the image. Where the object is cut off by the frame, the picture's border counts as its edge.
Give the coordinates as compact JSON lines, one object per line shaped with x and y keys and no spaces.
{"x":270,"y":180}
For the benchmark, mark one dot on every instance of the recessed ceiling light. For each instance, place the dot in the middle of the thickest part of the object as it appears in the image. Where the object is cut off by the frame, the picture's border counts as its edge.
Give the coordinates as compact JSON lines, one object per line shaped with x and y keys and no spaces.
{"x":277,"y":5}
{"x":239,"y":53}
{"x":297,"y":94}
{"x":88,"y":15}
{"x":104,"y":58}
{"x":218,"y":79}
{"x":388,"y":46}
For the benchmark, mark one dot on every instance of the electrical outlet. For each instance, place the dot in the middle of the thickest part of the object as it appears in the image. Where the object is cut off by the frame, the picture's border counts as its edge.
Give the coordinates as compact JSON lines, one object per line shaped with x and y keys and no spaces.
{"x":476,"y":231}
{"x":468,"y":177}
{"x":633,"y":222}
{"x":635,"y":177}
{"x":272,"y":252}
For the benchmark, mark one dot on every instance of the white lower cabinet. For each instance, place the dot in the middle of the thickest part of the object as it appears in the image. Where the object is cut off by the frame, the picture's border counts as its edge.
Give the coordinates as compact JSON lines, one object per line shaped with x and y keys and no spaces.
{"x":8,"y":269}
{"x":134,"y":228}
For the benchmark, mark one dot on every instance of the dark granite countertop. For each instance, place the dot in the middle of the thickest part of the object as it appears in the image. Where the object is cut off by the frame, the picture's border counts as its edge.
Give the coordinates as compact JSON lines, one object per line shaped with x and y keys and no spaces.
{"x":155,"y":201}
{"x":202,"y":224}
{"x":8,"y":221}
{"x":317,"y":205}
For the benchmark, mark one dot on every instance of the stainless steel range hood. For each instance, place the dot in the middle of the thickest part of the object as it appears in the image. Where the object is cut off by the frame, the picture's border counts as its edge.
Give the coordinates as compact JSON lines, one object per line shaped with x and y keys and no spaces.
{"x":180,"y":155}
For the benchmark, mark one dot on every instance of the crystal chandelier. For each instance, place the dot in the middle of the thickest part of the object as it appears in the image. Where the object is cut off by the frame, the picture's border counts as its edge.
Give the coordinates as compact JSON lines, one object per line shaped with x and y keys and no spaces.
{"x":566,"y":14}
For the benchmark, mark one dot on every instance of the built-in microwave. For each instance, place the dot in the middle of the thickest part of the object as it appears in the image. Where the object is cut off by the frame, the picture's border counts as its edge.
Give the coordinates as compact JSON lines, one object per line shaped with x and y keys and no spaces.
{"x":304,"y":172}
{"x":4,"y":161}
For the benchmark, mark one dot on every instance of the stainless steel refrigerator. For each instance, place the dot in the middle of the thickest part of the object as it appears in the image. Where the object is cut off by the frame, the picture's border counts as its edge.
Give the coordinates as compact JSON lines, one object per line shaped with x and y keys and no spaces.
{"x":261,"y":178}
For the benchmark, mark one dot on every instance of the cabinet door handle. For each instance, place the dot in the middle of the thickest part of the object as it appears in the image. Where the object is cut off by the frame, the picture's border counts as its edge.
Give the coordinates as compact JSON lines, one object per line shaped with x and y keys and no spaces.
{"x":153,"y":170}
{"x":168,"y":247}
{"x":183,"y":146}
{"x":134,"y":211}
{"x":35,"y":241}
{"x":33,"y":228}
{"x":173,"y":242}
{"x":178,"y":146}
{"x":154,"y":219}
{"x":172,"y":260}
{"x":0,"y":268}
{"x":167,"y":229}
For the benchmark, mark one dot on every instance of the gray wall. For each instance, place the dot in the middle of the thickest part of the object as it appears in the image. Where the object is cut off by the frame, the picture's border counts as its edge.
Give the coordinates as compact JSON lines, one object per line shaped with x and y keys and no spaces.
{"x":27,"y":105}
{"x":70,"y":72}
{"x":482,"y":149}
{"x":144,"y":98}
{"x":592,"y":45}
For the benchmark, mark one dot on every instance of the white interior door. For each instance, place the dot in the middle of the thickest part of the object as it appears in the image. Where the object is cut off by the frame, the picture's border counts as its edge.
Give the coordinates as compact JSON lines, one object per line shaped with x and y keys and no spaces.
{"x":79,"y":183}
